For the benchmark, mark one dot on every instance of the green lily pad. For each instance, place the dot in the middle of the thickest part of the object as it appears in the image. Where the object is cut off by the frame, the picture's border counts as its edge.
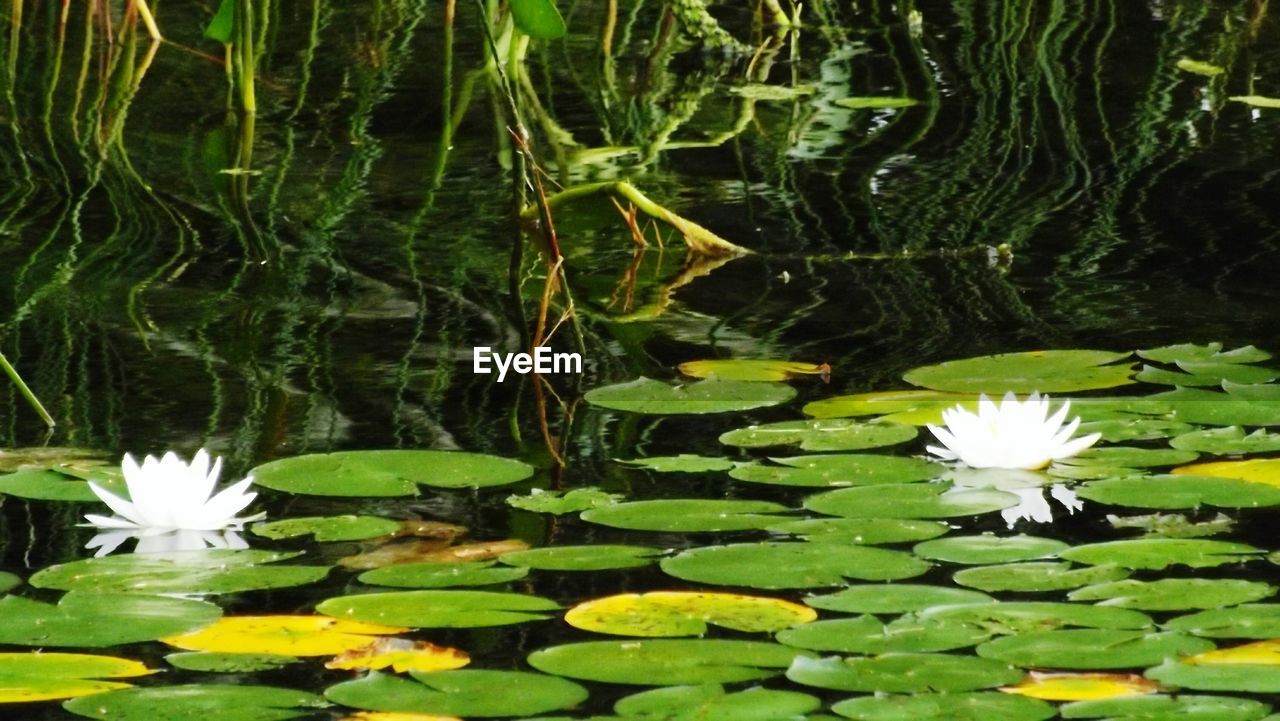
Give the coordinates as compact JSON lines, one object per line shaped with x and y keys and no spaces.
{"x":1229,"y":441}
{"x":582,"y":558}
{"x":918,"y":501}
{"x":1091,"y":648}
{"x":1207,"y":373}
{"x":1174,"y":594}
{"x":834,"y":434}
{"x":201,"y":572}
{"x":1037,"y":576}
{"x":1240,"y":677}
{"x":195,"y":701}
{"x":1209,"y":352}
{"x":439,"y":609}
{"x":1134,"y":428}
{"x":328,"y":528}
{"x":928,"y":405}
{"x":561,"y":502}
{"x":1051,"y":371}
{"x":1031,"y":616}
{"x":38,"y":676}
{"x":687,"y":515}
{"x":866,"y":531}
{"x":96,"y":620}
{"x":41,"y":485}
{"x":895,"y":598}
{"x":666,"y":662}
{"x":1212,"y":408}
{"x":988,"y":549}
{"x":1159,"y":707}
{"x":645,"y":395}
{"x":979,"y":706}
{"x":442,"y":575}
{"x":791,"y":565}
{"x":217,"y":662}
{"x":903,"y":673}
{"x":1257,"y":621}
{"x":847,"y":469}
{"x":1160,"y":553}
{"x":1174,"y":525}
{"x":683,"y":463}
{"x":8,"y":581}
{"x":866,"y":635}
{"x":1170,"y":492}
{"x":710,"y":702}
{"x":1129,"y":457}
{"x":463,"y":692}
{"x":387,"y":473}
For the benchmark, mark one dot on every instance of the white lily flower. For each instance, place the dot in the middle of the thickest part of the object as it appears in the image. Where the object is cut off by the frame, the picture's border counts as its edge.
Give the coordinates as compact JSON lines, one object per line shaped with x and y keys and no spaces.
{"x":1012,"y":434}
{"x":169,"y":494}
{"x":167,"y":542}
{"x":1035,"y":507}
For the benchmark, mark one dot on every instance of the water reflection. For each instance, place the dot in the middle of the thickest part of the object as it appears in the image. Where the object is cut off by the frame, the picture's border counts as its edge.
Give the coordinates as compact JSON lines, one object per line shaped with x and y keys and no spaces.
{"x":151,"y":541}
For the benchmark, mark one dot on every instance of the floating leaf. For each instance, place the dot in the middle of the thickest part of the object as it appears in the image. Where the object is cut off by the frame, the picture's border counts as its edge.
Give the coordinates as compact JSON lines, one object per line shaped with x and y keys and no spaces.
{"x":283,"y":635}
{"x":42,"y":485}
{"x":467,"y":693}
{"x":823,"y":434}
{"x":683,"y":463}
{"x":867,"y":531}
{"x":685,"y":613}
{"x":1031,"y":616}
{"x":760,"y":91}
{"x":903,"y":673}
{"x":876,"y":102}
{"x":1174,"y":525}
{"x":1208,"y":352}
{"x":1128,"y":457}
{"x":387,"y":473}
{"x":927,"y":406}
{"x":709,"y":702}
{"x":400,"y":654}
{"x":1247,"y":621}
{"x":752,"y":370}
{"x":687,"y":515}
{"x":791,"y":565}
{"x":442,"y":575}
{"x":209,"y":571}
{"x":538,"y":19}
{"x":1082,"y":686}
{"x":431,"y":551}
{"x":210,"y":662}
{"x":916,"y":501}
{"x":560,"y":502}
{"x":1257,"y":101}
{"x":980,"y":706}
{"x":895,"y":598}
{"x":1251,"y":678}
{"x":1037,"y":576}
{"x":223,"y":702}
{"x":36,"y":676}
{"x":1211,"y":408}
{"x":87,"y":619}
{"x":1229,"y":441}
{"x":1183,"y":707}
{"x":439,"y":609}
{"x":866,"y":635}
{"x":1174,"y":594}
{"x":1160,"y":553}
{"x":845,"y":469}
{"x":582,"y":558}
{"x":645,"y":395}
{"x":1051,"y":371}
{"x":665,"y":662}
{"x":1199,"y":67}
{"x":8,"y":581}
{"x":988,"y":549}
{"x":329,"y":528}
{"x":1120,"y":430}
{"x":1206,"y":374}
{"x":1091,"y":648}
{"x":1181,"y":492}
{"x":1266,"y":653}
{"x":1256,"y":470}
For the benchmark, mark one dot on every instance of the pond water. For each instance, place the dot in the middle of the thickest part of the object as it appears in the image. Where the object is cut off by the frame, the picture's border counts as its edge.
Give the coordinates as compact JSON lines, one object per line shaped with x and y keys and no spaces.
{"x":916,"y":183}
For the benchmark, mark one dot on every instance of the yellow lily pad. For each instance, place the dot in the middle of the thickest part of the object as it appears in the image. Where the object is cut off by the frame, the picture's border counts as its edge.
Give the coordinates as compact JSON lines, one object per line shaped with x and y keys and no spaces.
{"x":402,"y":655}
{"x":1259,"y":653}
{"x":685,"y":613}
{"x":1082,"y":686}
{"x":396,"y":716}
{"x":752,"y":370}
{"x":284,"y":635}
{"x":910,"y":407}
{"x":26,"y":677}
{"x":1257,"y":470}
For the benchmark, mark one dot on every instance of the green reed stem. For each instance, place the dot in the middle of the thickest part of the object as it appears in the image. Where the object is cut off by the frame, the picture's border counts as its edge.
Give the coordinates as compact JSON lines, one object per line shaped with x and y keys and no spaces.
{"x":25,"y":390}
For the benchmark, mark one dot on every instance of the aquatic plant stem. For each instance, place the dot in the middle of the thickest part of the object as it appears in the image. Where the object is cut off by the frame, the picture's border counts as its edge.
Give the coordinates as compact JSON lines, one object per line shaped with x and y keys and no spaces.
{"x":25,"y":390}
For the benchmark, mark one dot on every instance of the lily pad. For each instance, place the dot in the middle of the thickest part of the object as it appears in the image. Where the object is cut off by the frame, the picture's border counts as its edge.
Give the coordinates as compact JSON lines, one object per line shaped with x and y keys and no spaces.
{"x":846,"y":469}
{"x":666,"y":662}
{"x":988,"y":549}
{"x":561,"y":502}
{"x":43,"y":485}
{"x":1091,"y":648}
{"x":328,"y":528}
{"x":919,"y":407}
{"x":8,"y":581}
{"x":1130,"y":457}
{"x":866,"y":531}
{"x":1265,"y":471}
{"x":685,"y":613}
{"x":442,"y":575}
{"x":895,"y":598}
{"x":1134,"y":428}
{"x":1171,"y":491}
{"x":1051,"y":371}
{"x":687,"y":515}
{"x":710,"y":702}
{"x":979,"y":706}
{"x":194,"y":701}
{"x":214,"y":662}
{"x":1031,"y":616}
{"x":1206,"y":374}
{"x":387,"y":473}
{"x":917,"y":501}
{"x":1174,"y":594}
{"x":1229,"y":441}
{"x":582,"y":558}
{"x":903,"y":673}
{"x":866,"y":635}
{"x":751,"y":369}
{"x":1037,"y":577}
{"x":683,"y":463}
{"x":1082,"y":686}
{"x":1183,"y":707}
{"x":282,"y":635}
{"x":36,"y":676}
{"x":439,"y":609}
{"x":1210,"y":352}
{"x":791,"y":565}
{"x":202,"y":572}
{"x":468,"y":692}
{"x":648,"y":396}
{"x":95,"y":620}
{"x":1211,"y":408}
{"x":1160,"y":553}
{"x":833,"y":434}
{"x":1261,"y":621}
{"x":1245,"y":677}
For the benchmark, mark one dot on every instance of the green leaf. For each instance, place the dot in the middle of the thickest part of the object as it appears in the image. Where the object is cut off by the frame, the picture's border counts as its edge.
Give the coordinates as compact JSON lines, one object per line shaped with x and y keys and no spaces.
{"x":1028,"y":616}
{"x":1205,"y":373}
{"x":791,"y":565}
{"x":538,"y":19}
{"x":751,"y":369}
{"x":1133,"y":428}
{"x":198,"y":701}
{"x":387,"y":473}
{"x":685,"y":613}
{"x":1229,"y":441}
{"x":442,"y":575}
{"x":895,"y":598}
{"x":709,"y":702}
{"x":1171,"y":492}
{"x":582,"y":558}
{"x":465,"y":692}
{"x":1174,"y":594}
{"x":683,"y":463}
{"x":218,"y":662}
{"x":439,"y":609}
{"x":222,"y":27}
{"x":1209,"y":352}
{"x":1174,"y":525}
{"x":645,"y":395}
{"x":926,"y":404}
{"x":1257,"y":101}
{"x":1091,"y":648}
{"x":1199,"y":67}
{"x":665,"y":662}
{"x":1051,"y":371}
{"x":903,"y":673}
{"x":1160,"y":553}
{"x":833,"y":434}
{"x":687,"y":515}
{"x":561,"y":502}
{"x":1211,"y":408}
{"x":760,"y":91}
{"x":92,"y":619}
{"x":328,"y":528}
{"x":38,"y":676}
{"x":8,"y":581}
{"x":845,"y":469}
{"x":1243,"y":677}
{"x":1258,"y":621}
{"x":934,"y":500}
{"x":866,"y":635}
{"x":1129,"y":457}
{"x":877,"y":102}
{"x":1036,"y":577}
{"x":1183,"y":707}
{"x":866,"y":531}
{"x":201,"y":572}
{"x":981,"y":706}
{"x":46,"y":486}
{"x":988,"y":548}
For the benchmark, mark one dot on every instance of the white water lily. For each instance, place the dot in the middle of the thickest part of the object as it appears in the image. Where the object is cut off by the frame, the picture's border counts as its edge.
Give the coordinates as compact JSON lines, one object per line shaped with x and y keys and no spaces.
{"x":1011,"y":434}
{"x":1035,"y":507}
{"x":166,"y":541}
{"x":168,"y":494}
